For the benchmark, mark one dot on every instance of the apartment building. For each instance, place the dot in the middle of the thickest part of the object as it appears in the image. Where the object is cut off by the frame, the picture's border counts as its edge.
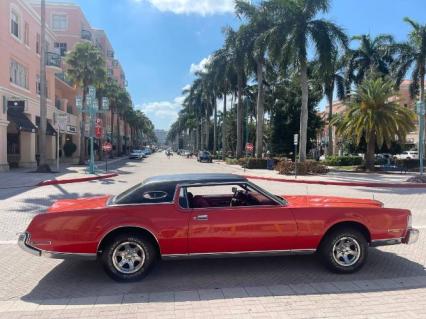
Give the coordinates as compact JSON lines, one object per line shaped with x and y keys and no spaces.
{"x":20,"y":80}
{"x":404,"y":99}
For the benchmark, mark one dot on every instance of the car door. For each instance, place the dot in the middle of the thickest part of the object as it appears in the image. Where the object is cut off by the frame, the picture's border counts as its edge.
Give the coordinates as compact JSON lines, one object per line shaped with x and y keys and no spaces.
{"x":241,"y":229}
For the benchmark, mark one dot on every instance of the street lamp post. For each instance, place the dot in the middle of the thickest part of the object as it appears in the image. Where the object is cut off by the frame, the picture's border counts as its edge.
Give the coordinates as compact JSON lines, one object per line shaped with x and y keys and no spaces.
{"x":421,"y":113}
{"x":91,"y":109}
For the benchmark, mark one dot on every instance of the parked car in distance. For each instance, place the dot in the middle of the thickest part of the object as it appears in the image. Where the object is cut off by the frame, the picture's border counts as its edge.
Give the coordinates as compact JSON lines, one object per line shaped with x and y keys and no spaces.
{"x":136,"y":154}
{"x":407,"y":155}
{"x":204,"y":156}
{"x":147,"y":151}
{"x":199,"y":215}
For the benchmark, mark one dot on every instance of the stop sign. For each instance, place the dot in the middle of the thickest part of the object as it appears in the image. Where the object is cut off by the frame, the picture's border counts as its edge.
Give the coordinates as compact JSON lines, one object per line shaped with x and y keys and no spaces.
{"x":107,"y":147}
{"x":249,"y":147}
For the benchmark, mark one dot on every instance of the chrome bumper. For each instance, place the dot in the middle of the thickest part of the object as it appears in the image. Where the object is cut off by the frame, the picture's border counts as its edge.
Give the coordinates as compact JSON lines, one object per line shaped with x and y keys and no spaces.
{"x":23,"y":243}
{"x":412,"y":236}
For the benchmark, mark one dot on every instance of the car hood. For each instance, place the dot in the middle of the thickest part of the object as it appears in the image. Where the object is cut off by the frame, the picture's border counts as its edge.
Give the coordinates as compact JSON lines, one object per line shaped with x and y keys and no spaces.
{"x":66,"y":205}
{"x":329,"y":201}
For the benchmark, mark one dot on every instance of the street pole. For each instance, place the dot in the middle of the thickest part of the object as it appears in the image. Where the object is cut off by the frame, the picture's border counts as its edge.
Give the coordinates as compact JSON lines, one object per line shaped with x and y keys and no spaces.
{"x":421,"y":113}
{"x":57,"y":149}
{"x":296,"y":142}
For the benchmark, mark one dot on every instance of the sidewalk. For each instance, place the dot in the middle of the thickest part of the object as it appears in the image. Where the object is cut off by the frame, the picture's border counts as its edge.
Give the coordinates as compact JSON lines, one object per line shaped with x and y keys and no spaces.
{"x":331,"y":177}
{"x":25,"y":177}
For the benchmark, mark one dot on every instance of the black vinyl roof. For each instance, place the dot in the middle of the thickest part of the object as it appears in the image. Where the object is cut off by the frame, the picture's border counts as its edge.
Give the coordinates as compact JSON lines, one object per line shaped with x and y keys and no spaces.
{"x":195,"y":178}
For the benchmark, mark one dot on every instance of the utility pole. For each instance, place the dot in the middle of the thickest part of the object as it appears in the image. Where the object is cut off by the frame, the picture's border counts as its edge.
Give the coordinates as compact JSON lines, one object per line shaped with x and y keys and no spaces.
{"x":421,"y":113}
{"x":43,"y":166}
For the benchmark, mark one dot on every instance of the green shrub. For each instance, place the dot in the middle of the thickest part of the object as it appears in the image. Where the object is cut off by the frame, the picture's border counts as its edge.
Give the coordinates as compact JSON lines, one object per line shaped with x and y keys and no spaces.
{"x":256,"y":163}
{"x":232,"y":161}
{"x":69,"y":148}
{"x":308,"y":167}
{"x":343,"y":160}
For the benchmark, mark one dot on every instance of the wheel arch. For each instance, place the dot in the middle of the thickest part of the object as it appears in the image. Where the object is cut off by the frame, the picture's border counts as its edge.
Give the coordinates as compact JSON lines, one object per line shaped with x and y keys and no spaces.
{"x":128,"y":229}
{"x":348,"y":224}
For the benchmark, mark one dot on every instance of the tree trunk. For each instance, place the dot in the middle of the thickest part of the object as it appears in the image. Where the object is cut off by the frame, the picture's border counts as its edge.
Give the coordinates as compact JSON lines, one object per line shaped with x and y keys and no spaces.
{"x":304,"y":110}
{"x":224,"y":148}
{"x":239,"y":149}
{"x":369,"y":156}
{"x":330,"y":146}
{"x":112,"y":130}
{"x":83,"y":130}
{"x":207,"y":129}
{"x":215,"y":127}
{"x":119,"y":135}
{"x":260,"y":109}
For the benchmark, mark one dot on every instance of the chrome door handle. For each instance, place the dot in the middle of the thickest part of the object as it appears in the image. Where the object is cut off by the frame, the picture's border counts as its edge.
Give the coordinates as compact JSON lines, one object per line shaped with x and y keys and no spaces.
{"x":201,"y":217}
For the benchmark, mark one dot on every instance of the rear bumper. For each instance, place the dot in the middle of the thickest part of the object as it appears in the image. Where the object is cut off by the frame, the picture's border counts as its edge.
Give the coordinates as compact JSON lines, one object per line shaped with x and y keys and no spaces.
{"x":411,"y":237}
{"x":23,"y":243}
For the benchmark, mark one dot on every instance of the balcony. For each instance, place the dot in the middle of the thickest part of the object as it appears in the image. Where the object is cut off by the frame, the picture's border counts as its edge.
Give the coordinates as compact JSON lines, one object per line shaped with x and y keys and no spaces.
{"x":110,"y":54}
{"x":114,"y":63}
{"x":110,"y":73}
{"x":53,"y":59}
{"x":86,"y":35}
{"x":63,"y":77}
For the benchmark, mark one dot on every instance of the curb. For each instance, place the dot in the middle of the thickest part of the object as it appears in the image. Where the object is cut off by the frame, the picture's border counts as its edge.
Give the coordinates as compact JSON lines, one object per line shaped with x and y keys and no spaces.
{"x":360,"y":184}
{"x":75,"y":180}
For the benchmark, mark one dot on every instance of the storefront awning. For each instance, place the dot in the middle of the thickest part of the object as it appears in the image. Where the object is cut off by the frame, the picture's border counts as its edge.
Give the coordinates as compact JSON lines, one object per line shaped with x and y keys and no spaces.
{"x":49,"y":128}
{"x":22,"y":122}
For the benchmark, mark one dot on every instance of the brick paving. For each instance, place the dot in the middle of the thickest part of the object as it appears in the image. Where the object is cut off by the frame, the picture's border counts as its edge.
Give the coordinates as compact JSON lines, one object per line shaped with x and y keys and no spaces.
{"x":391,"y":285}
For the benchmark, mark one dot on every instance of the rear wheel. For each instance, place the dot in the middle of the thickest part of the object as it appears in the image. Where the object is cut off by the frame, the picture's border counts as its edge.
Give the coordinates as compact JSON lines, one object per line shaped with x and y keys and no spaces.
{"x":344,"y":250}
{"x":128,"y":257}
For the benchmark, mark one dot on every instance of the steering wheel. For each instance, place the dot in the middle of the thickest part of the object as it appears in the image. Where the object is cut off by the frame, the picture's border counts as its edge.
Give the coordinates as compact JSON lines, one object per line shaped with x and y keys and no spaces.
{"x":239,"y":198}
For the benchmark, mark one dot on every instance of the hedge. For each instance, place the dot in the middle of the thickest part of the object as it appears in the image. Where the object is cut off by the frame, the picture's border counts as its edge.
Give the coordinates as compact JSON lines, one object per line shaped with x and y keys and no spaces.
{"x":343,"y":160}
{"x":303,"y":168}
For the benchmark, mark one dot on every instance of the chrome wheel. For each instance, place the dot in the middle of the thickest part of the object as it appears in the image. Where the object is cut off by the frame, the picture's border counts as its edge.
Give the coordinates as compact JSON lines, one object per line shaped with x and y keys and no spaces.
{"x":346,"y":251}
{"x":128,"y":257}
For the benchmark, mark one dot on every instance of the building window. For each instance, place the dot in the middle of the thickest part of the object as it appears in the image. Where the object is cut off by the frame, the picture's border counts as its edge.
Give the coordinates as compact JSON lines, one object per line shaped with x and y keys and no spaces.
{"x":38,"y":40}
{"x":14,"y":24}
{"x":27,"y":34}
{"x":62,"y":47}
{"x":59,"y":22}
{"x":18,"y":74}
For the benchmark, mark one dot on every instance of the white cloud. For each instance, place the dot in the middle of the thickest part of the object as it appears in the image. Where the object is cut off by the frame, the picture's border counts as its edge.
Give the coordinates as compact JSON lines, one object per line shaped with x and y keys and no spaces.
{"x":162,"y":113}
{"x":201,"y":66}
{"x":203,"y":7}
{"x":186,"y":87}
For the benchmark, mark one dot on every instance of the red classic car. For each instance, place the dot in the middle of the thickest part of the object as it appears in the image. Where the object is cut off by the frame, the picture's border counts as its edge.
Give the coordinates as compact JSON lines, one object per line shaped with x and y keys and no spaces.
{"x":212,"y":215}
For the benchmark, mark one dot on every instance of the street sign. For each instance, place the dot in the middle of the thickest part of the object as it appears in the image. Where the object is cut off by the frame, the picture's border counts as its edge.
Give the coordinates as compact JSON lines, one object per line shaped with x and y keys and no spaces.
{"x":62,"y":120}
{"x":249,"y":147}
{"x":98,"y":131}
{"x":107,"y":147}
{"x":98,"y":122}
{"x":296,"y":139}
{"x":79,"y":102}
{"x":105,"y":103}
{"x":92,"y":91}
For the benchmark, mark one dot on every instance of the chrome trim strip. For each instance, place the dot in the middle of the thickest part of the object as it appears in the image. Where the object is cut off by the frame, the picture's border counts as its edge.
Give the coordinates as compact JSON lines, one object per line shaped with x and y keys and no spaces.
{"x":23,"y":244}
{"x":386,"y":242}
{"x":253,"y":253}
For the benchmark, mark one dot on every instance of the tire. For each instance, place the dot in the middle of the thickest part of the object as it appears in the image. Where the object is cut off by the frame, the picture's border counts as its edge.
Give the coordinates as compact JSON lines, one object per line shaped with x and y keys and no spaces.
{"x":128,"y":243}
{"x":347,"y":240}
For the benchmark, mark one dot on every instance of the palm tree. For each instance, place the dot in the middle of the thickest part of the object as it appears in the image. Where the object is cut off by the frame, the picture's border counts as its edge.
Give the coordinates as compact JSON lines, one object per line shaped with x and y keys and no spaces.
{"x":86,"y":67}
{"x":373,"y":116}
{"x":332,"y":77}
{"x":258,"y":25}
{"x":294,"y":26}
{"x":372,"y":55}
{"x":412,"y":54}
{"x":123,"y":103}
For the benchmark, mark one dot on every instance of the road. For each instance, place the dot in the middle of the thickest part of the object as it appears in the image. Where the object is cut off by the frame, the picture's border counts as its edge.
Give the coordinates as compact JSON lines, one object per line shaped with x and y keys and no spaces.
{"x":391,"y":285}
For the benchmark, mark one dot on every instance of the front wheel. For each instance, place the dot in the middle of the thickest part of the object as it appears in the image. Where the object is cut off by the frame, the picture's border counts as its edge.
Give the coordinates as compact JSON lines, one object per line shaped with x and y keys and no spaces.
{"x":128,"y":257}
{"x":344,"y":250}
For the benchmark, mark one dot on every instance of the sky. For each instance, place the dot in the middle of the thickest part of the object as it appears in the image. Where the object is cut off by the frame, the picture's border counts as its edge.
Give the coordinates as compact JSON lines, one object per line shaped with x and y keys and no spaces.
{"x":161,"y":43}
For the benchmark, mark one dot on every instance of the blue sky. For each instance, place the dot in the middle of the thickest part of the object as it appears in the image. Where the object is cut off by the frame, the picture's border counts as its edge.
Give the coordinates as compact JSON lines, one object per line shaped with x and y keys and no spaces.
{"x":157,"y":41}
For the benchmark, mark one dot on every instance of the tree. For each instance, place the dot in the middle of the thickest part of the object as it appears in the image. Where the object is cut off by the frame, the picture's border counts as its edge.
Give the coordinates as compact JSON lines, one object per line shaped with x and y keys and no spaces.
{"x":373,"y":115}
{"x":258,"y":25}
{"x":372,"y":55}
{"x":86,"y":67}
{"x":412,"y":54}
{"x":332,"y":77}
{"x":294,"y":25}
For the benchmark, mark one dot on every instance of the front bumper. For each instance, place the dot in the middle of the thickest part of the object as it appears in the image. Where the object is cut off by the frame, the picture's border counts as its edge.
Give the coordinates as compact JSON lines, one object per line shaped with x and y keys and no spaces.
{"x":23,"y":240}
{"x":411,"y":237}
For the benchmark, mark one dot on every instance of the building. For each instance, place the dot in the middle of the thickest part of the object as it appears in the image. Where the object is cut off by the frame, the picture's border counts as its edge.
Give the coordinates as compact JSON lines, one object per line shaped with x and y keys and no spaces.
{"x":339,"y":107}
{"x":20,"y":83}
{"x":161,"y":136}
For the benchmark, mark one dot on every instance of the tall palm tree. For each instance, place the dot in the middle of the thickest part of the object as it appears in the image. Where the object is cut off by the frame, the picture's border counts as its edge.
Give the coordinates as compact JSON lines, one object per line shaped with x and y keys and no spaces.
{"x":373,"y":116}
{"x":85,"y":67}
{"x":372,"y":55}
{"x":294,"y":26}
{"x":412,"y":54}
{"x":257,"y":25}
{"x":332,"y":77}
{"x":235,"y":44}
{"x":123,"y":103}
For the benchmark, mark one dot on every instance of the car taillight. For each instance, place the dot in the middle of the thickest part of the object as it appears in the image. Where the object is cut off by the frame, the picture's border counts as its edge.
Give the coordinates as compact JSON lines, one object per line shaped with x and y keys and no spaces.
{"x":409,"y":221}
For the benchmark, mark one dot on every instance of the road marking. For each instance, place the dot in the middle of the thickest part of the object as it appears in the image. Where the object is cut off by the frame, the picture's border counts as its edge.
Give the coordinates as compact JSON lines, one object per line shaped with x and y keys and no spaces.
{"x":8,"y":242}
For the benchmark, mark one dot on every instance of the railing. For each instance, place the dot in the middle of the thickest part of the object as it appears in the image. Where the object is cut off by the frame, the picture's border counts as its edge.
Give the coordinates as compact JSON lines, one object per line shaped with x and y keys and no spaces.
{"x":110,"y":54}
{"x":115,"y":63}
{"x":86,"y":35}
{"x":110,"y":73}
{"x":63,"y":77}
{"x":53,"y":59}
